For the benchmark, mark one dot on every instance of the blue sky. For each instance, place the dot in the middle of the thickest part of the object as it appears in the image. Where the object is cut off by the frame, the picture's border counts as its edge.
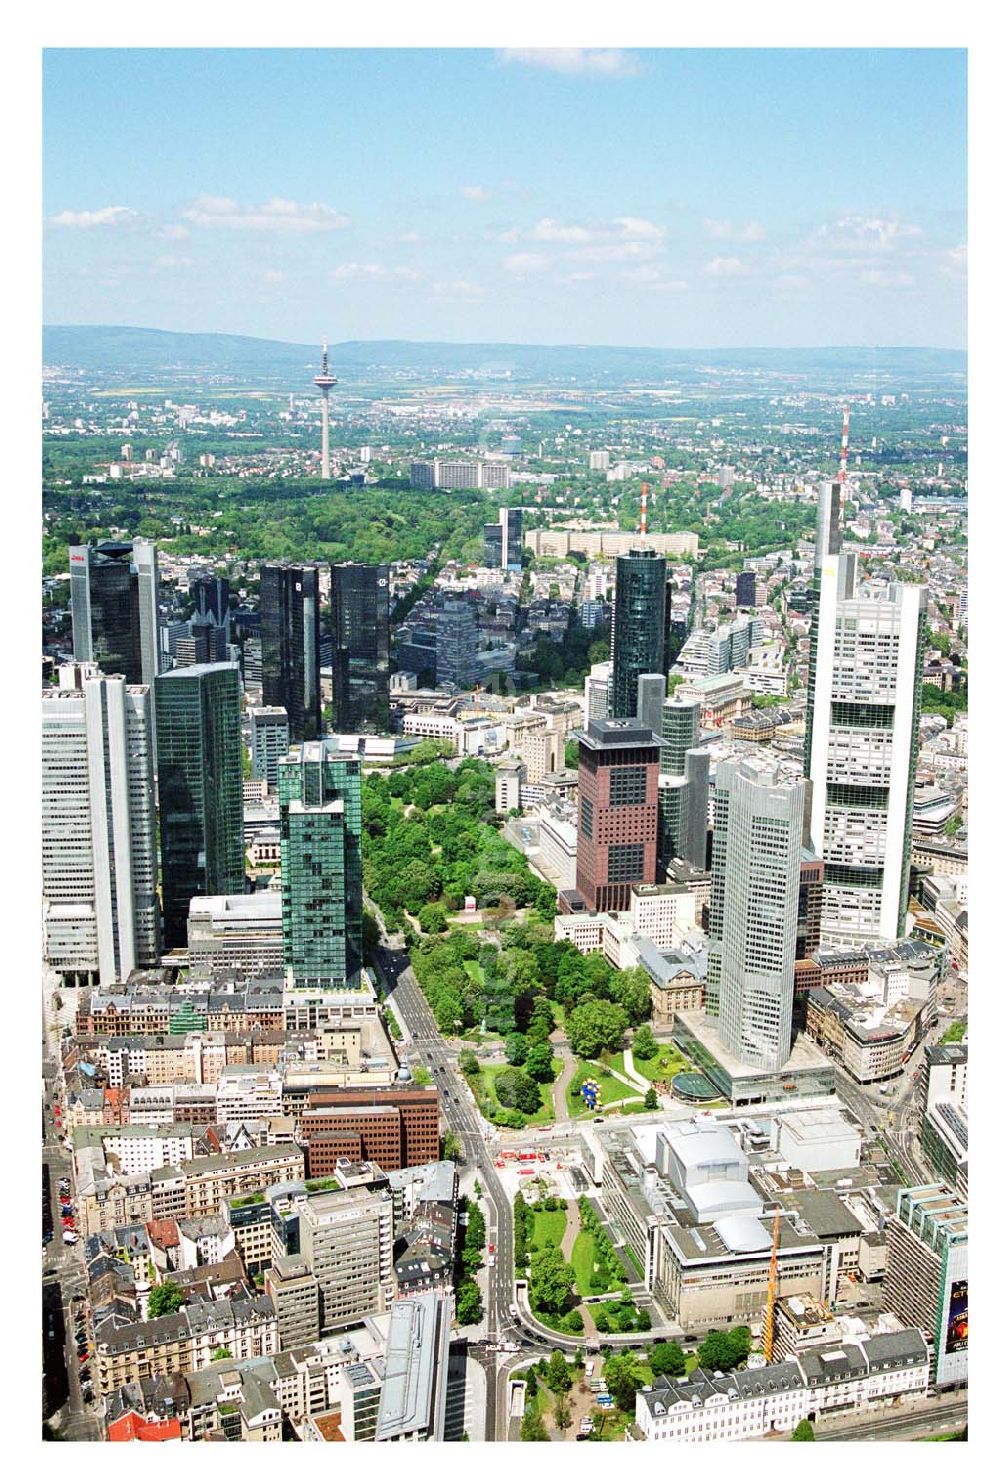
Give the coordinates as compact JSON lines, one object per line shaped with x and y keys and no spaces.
{"x":674,"y":197}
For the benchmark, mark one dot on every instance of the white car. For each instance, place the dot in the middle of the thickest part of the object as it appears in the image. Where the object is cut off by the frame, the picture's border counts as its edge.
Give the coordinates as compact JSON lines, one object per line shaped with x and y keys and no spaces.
{"x":70,"y":1237}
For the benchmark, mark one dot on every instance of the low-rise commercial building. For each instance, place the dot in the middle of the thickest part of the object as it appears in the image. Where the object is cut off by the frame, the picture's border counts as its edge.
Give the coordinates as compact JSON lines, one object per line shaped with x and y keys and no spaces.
{"x":856,"y":1376}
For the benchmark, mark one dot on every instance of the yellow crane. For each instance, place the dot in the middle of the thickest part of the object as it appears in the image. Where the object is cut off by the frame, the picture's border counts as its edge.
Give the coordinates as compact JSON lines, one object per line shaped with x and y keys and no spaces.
{"x":772,"y":1290}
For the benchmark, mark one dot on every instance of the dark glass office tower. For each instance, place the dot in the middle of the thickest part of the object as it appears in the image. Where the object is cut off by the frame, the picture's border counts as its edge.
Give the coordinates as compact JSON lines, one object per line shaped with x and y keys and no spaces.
{"x":746,"y":589}
{"x":359,"y":603}
{"x":211,"y":601}
{"x":511,"y":519}
{"x":640,"y":626}
{"x":319,"y":790}
{"x":492,"y":546}
{"x":289,"y":638}
{"x":201,"y":789}
{"x":104,"y":596}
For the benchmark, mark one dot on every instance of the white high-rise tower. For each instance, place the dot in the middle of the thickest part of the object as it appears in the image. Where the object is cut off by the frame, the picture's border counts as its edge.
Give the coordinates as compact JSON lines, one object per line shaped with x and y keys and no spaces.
{"x":865,"y":665}
{"x":101,"y":916}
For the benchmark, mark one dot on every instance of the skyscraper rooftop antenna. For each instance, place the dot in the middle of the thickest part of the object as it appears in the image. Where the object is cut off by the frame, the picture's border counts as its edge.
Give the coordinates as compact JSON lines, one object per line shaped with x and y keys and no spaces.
{"x":842,"y":474}
{"x":642,"y":515}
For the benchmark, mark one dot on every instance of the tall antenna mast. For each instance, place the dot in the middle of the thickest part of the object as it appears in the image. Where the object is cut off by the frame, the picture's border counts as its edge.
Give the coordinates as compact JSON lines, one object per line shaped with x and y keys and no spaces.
{"x":642,"y":515}
{"x":842,"y":474}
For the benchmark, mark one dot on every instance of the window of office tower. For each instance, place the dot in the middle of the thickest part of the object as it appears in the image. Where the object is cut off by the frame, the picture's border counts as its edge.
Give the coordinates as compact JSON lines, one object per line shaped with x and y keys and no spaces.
{"x":627,"y":786}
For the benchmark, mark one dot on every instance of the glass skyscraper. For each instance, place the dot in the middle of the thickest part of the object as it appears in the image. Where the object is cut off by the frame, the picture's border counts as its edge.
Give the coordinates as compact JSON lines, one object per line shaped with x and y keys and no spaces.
{"x":763,"y":848}
{"x":866,"y":660}
{"x":359,"y":601}
{"x":200,"y":788}
{"x":100,"y":910}
{"x":319,"y":791}
{"x":640,"y":626}
{"x":114,"y":598}
{"x":289,"y":638}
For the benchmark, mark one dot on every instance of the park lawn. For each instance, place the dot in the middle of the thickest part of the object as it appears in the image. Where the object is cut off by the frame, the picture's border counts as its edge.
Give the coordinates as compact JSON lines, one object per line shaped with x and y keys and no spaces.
{"x":582,"y":1261}
{"x":482,"y":1081}
{"x":474,"y":969}
{"x":953,"y":1036}
{"x":665,"y":1065}
{"x":550,"y":1225}
{"x":612,"y":1090}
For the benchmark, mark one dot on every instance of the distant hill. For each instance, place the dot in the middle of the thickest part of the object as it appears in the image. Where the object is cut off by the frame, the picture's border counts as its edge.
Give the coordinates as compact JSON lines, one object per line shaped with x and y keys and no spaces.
{"x":117,"y":351}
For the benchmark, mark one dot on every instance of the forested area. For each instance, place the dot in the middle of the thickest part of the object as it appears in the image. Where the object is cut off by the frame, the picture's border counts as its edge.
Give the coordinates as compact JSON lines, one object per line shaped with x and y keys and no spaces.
{"x":229,"y":519}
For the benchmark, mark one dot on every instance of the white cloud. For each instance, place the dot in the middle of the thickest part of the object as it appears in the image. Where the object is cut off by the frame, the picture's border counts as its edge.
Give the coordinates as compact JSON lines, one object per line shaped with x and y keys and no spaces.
{"x":350,"y":270}
{"x":474,"y":192}
{"x":172,"y":263}
{"x":676,"y":284}
{"x":724,"y":266}
{"x":725,"y":230}
{"x":524,"y":262}
{"x":85,"y":220}
{"x":221,"y":212}
{"x":863,"y":233}
{"x":410,"y":236}
{"x":883,"y":277}
{"x":574,"y":60}
{"x":457,"y":291}
{"x":274,"y":276}
{"x":550,"y":230}
{"x":956,"y":261}
{"x":634,"y":228}
{"x":791,"y":281}
{"x":616,"y":251}
{"x":175,"y":233}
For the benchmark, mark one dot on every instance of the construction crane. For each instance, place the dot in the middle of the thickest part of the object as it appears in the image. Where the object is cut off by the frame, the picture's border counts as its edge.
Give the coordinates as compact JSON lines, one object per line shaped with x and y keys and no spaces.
{"x":772,"y":1290}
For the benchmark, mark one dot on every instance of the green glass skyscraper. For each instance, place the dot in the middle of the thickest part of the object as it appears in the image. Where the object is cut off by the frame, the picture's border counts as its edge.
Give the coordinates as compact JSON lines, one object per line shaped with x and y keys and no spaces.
{"x":201,"y":788}
{"x":319,"y":790}
{"x":640,"y":626}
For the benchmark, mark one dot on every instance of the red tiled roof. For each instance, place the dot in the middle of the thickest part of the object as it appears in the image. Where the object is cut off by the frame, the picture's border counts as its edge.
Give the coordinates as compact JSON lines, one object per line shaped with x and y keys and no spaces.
{"x":133,"y":1426}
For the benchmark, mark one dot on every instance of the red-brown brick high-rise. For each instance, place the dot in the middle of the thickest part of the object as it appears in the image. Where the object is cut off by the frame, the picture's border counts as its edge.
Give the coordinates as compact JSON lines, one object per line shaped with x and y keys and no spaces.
{"x":617,"y":820}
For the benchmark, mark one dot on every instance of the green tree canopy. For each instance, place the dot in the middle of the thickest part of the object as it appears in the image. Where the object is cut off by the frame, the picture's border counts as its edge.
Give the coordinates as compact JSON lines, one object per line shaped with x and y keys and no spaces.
{"x":164,"y":1298}
{"x":515,"y":1088}
{"x":644,"y":1045}
{"x":668,"y":1359}
{"x":596,"y":1026}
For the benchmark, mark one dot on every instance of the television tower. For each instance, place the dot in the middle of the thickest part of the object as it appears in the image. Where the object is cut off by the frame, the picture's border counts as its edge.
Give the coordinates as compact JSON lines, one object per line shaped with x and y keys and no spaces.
{"x":323,"y":382}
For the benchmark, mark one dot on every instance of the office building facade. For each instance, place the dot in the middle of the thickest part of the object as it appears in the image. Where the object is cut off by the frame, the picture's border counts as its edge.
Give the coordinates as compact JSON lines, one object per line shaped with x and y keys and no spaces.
{"x":617,"y":812}
{"x":683,"y":792}
{"x":114,"y":600}
{"x":746,"y":590}
{"x":200,"y":789}
{"x":268,"y":742}
{"x":640,"y":626}
{"x":763,"y":821}
{"x":359,"y":600}
{"x":100,"y":909}
{"x":927,"y":1274}
{"x":289,"y":636}
{"x":346,"y":1242}
{"x":319,"y":791}
{"x":862,"y":727}
{"x":457,"y":643}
